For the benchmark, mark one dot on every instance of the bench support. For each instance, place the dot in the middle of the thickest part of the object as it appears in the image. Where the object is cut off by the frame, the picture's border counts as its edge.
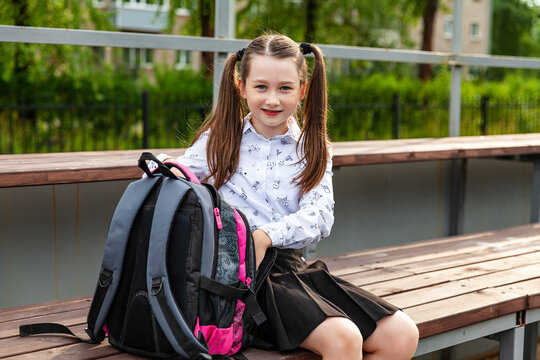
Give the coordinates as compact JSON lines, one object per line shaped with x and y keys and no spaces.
{"x":512,"y":343}
{"x":531,"y":341}
{"x":464,"y":334}
{"x":458,"y":180}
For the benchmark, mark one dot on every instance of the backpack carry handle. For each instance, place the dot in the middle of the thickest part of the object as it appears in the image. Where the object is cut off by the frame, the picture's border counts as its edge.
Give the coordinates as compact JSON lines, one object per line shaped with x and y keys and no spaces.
{"x":161,"y":168}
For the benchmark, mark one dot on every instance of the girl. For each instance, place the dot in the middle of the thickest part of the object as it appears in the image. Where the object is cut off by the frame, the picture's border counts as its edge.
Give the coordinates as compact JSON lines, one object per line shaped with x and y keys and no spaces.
{"x":280,"y":175}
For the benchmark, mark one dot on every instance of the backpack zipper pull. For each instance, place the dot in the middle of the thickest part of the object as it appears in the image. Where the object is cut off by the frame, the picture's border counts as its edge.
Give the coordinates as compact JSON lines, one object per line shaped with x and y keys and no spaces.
{"x":218,"y":218}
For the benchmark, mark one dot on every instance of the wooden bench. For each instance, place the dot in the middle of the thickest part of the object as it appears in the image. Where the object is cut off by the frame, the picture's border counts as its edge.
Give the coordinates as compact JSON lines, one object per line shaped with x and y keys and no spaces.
{"x":456,"y":289}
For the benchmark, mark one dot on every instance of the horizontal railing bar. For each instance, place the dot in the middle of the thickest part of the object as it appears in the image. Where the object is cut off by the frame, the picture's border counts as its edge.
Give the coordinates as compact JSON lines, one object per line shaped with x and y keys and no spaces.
{"x":39,"y":35}
{"x":195,"y":43}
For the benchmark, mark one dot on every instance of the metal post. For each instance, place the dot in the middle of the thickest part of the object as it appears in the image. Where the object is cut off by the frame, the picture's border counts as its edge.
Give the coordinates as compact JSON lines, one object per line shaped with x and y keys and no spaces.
{"x":455,"y":80}
{"x":458,"y":181}
{"x":396,"y":116}
{"x":225,"y":23}
{"x":145,"y":108}
{"x":531,"y":341}
{"x":484,"y":108}
{"x":511,"y":344}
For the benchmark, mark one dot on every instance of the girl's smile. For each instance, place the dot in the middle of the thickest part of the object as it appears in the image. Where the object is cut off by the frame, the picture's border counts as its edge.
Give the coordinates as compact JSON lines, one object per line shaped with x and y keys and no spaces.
{"x":272,"y":89}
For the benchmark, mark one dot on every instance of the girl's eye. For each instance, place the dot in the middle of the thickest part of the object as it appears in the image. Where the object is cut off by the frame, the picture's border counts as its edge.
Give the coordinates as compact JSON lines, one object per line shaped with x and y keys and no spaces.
{"x":260,"y":87}
{"x":285,"y":88}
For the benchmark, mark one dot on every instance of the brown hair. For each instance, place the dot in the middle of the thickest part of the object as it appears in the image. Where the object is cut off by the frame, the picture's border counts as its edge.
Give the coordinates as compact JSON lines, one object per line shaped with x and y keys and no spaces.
{"x":226,"y":126}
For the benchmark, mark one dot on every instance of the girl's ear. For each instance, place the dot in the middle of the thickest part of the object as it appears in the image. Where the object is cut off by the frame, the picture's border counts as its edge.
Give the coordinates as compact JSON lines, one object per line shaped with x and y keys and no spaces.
{"x":242,"y":89}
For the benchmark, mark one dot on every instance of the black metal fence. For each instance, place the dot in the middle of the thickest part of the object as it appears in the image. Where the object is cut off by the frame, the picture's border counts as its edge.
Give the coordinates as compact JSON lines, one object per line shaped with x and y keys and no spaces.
{"x":154,"y":123}
{"x":127,"y":124}
{"x":480,"y":116}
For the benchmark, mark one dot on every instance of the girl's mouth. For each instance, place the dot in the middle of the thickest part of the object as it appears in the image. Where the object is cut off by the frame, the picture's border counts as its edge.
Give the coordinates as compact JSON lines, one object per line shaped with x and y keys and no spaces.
{"x":271,"y":112}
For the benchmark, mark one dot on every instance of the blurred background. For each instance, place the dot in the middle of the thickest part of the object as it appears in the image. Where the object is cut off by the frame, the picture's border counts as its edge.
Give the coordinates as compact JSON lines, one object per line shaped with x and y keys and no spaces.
{"x":74,"y":98}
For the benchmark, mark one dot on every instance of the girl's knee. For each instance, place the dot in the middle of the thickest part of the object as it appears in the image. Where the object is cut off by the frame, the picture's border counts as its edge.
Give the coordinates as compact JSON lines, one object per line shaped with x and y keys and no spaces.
{"x":404,"y":336}
{"x":346,"y":340}
{"x":336,"y":338}
{"x":398,"y":330}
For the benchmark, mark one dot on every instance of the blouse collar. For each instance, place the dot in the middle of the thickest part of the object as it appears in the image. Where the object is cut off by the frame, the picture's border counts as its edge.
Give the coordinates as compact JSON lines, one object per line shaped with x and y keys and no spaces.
{"x":294,"y":131}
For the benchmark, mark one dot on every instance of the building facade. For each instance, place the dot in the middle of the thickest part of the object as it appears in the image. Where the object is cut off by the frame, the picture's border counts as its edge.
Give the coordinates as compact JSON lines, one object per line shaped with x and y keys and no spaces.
{"x":476,"y":30}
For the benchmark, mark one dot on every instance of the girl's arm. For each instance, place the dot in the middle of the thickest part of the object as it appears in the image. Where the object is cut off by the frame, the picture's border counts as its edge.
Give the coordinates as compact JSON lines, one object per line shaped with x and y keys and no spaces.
{"x":312,"y":222}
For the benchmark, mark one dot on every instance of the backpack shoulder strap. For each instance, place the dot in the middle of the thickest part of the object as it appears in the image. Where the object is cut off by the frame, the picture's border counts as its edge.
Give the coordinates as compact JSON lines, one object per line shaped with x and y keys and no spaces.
{"x":162,"y":300}
{"x":115,"y":248}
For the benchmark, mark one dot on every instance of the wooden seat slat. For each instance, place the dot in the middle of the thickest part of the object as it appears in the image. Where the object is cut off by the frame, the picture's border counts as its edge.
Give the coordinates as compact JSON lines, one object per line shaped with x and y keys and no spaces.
{"x":469,"y":272}
{"x":451,"y":313}
{"x":24,"y":312}
{"x":412,"y":253}
{"x":79,"y":351}
{"x":468,"y":285}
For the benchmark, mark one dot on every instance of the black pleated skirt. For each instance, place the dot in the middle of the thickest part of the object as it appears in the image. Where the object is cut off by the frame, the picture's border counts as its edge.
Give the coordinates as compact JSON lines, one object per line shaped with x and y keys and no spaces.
{"x":297,"y":297}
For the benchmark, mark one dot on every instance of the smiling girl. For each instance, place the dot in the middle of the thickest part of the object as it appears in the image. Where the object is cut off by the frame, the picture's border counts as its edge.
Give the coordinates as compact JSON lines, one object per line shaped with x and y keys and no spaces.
{"x":278,"y":172}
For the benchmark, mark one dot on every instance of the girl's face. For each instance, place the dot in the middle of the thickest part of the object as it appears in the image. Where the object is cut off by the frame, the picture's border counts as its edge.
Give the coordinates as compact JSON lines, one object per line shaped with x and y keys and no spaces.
{"x":272,"y":89}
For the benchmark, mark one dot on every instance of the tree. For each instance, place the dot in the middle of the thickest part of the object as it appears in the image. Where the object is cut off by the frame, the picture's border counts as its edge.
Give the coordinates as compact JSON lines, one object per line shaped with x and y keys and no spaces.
{"x":513,"y":24}
{"x":516,"y":32}
{"x":428,"y":21}
{"x":26,"y":62}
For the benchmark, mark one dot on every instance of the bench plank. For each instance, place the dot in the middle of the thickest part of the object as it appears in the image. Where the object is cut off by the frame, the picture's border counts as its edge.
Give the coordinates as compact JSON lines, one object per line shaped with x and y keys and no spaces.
{"x":79,"y":351}
{"x":432,"y":250}
{"x":438,"y":277}
{"x":53,"y":307}
{"x":61,"y":168}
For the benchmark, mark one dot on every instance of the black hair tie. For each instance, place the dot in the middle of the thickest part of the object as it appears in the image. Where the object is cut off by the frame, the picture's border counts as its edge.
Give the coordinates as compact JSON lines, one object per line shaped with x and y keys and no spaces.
{"x":239,"y":54}
{"x":306,"y":48}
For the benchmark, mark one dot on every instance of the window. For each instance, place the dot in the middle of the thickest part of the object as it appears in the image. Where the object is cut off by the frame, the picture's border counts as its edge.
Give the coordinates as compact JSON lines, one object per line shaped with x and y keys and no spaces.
{"x":474,"y":31}
{"x":448,"y":27}
{"x":183,"y":59}
{"x":138,"y":57}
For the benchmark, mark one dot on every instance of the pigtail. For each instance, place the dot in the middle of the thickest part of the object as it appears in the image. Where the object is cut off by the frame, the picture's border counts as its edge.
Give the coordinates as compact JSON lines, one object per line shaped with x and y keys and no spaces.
{"x":223,"y":145}
{"x":314,"y":138}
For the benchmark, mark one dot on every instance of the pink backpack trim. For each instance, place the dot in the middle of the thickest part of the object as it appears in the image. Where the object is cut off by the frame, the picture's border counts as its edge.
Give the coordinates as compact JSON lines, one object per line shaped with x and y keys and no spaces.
{"x":242,"y":245}
{"x":225,"y":341}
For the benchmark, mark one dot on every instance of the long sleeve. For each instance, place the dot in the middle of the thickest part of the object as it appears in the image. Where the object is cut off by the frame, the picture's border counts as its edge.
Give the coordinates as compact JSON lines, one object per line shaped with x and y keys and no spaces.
{"x":312,"y":222}
{"x":195,"y":157}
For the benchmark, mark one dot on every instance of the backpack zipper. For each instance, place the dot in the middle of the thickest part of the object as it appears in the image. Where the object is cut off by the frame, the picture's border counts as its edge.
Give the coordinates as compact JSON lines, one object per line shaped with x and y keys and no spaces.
{"x":249,"y":250}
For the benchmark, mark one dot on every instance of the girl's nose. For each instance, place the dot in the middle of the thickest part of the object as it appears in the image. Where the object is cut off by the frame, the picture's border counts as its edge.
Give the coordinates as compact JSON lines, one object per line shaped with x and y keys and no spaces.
{"x":272,"y":99}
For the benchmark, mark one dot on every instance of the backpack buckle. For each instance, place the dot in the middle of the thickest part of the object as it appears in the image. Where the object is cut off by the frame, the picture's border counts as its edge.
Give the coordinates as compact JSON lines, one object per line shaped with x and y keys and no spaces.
{"x":157,"y":285}
{"x":105,"y":278}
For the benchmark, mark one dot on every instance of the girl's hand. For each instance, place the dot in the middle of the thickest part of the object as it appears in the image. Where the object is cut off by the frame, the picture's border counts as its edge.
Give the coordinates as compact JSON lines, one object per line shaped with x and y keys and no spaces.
{"x":174,"y":170}
{"x":262,"y":242}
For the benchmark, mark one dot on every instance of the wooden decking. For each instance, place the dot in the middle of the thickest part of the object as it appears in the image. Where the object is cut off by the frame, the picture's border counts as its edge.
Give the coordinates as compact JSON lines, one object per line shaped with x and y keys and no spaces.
{"x":444,"y":284}
{"x":60,"y":168}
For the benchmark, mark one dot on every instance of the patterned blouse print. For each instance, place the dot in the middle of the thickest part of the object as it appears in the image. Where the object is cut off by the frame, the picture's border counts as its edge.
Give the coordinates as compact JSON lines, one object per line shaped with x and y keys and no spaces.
{"x":263,"y":190}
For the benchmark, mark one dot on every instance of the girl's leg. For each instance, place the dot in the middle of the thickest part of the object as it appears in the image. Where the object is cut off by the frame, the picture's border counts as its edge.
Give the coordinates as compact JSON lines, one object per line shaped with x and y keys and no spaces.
{"x":336,"y":338}
{"x":395,"y":337}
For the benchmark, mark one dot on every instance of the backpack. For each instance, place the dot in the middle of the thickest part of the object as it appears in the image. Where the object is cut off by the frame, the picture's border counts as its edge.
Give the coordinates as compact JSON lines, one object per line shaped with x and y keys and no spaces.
{"x":178,"y":272}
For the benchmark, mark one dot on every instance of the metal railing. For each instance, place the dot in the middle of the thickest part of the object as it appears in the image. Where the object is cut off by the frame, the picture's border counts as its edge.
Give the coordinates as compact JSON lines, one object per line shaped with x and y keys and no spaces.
{"x":224,"y":43}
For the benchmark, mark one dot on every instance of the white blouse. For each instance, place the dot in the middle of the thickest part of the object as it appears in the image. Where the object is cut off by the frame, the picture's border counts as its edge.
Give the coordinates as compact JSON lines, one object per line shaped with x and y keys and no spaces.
{"x":262,"y":187}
